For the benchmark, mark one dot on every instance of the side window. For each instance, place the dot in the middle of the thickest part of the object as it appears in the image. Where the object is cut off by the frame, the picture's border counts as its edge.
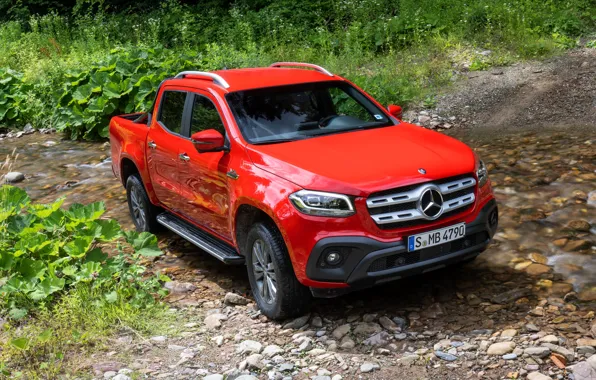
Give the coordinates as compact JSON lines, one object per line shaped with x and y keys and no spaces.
{"x":205,"y":116}
{"x":170,"y":114}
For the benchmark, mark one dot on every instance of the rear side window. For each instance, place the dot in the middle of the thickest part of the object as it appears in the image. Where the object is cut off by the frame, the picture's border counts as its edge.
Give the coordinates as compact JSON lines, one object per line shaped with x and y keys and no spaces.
{"x":170,"y":114}
{"x":205,"y":116}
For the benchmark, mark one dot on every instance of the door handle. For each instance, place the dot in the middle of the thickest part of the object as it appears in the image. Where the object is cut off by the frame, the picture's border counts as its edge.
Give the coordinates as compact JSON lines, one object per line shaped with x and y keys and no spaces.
{"x":184,"y":157}
{"x":152,"y":144}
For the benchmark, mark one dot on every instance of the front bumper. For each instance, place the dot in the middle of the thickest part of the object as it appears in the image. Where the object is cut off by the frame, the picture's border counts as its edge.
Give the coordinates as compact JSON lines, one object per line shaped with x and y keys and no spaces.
{"x":368,"y":262}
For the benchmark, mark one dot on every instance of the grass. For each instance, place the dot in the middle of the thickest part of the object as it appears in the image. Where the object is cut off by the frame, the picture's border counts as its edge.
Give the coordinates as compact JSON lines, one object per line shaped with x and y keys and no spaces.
{"x":62,"y":337}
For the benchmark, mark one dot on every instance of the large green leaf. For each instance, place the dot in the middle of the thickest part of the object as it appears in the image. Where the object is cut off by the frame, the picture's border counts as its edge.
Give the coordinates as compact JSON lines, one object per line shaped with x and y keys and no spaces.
{"x":78,"y":247}
{"x":20,"y":343}
{"x":107,"y":230}
{"x":112,"y":90}
{"x":144,"y":243}
{"x":82,"y":93}
{"x":81,"y":213}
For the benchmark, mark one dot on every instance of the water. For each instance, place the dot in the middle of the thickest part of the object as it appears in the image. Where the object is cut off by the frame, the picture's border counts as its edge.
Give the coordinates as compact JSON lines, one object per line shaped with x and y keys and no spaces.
{"x":542,"y":182}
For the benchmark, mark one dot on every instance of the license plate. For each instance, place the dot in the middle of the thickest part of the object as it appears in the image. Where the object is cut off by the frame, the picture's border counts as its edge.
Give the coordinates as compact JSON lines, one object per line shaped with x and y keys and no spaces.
{"x":436,"y":237}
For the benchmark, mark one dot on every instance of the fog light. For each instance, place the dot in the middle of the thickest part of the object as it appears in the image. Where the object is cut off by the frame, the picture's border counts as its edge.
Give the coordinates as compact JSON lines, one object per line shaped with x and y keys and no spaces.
{"x":333,"y":258}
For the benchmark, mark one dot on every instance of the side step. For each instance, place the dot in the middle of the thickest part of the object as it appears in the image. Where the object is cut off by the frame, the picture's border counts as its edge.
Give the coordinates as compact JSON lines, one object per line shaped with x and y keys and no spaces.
{"x":201,"y":239}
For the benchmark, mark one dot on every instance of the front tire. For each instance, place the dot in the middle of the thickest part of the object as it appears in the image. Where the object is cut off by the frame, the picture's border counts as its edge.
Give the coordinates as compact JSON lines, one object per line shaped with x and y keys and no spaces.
{"x":276,"y":289}
{"x":142,"y":211}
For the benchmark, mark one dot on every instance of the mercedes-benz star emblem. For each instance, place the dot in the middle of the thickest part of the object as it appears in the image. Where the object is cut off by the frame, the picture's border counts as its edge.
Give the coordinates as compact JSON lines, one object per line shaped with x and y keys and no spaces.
{"x":421,"y":171}
{"x":431,"y":203}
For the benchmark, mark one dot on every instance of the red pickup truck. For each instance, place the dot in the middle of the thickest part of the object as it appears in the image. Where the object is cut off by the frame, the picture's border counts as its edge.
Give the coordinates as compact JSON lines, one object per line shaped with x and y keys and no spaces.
{"x":303,"y":177}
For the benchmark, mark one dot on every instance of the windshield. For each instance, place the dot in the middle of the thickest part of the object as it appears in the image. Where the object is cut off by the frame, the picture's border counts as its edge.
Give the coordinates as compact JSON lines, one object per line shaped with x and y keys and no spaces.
{"x":296,"y":112}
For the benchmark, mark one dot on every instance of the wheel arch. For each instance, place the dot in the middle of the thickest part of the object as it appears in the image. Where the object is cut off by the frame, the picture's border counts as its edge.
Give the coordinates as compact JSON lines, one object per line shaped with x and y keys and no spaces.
{"x":128,"y":167}
{"x":246,"y":215}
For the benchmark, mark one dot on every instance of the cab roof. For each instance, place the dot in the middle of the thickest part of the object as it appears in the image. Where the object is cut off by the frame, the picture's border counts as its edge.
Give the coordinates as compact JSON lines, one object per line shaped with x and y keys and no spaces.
{"x":260,"y":77}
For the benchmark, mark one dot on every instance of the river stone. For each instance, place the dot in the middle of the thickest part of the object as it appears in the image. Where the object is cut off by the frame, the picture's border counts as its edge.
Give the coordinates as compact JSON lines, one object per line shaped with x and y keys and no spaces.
{"x":249,"y":346}
{"x":537,"y":269}
{"x":500,"y":348}
{"x":510,"y":356}
{"x":213,"y":321}
{"x":380,"y":339}
{"x":538,"y":258}
{"x":585,"y":370}
{"x":511,"y":295}
{"x":593,"y":329}
{"x":540,"y":352}
{"x":560,"y":350}
{"x":389,"y":325}
{"x":272,"y":350}
{"x":342,"y":330}
{"x":579,"y":225}
{"x":298,"y":322}
{"x":445,"y":356}
{"x":215,"y":376}
{"x":367,"y":329}
{"x":538,"y":376}
{"x":369,"y":367}
{"x":246,"y":377}
{"x":14,"y":177}
{"x":549,"y":339}
{"x":509,"y":333}
{"x":577,"y":245}
{"x":408,"y":359}
{"x":235,"y":299}
{"x":588,"y":294}
{"x":586,"y":342}
{"x":255,"y":361}
{"x":176,"y":287}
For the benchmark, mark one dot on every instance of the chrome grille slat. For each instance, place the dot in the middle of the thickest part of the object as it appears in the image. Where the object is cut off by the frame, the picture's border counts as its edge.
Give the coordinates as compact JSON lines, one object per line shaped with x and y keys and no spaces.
{"x":406,"y":203}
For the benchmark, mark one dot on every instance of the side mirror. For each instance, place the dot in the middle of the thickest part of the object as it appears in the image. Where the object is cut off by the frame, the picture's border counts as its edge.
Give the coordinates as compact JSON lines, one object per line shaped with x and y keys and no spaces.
{"x":395,"y":111}
{"x":208,"y":140}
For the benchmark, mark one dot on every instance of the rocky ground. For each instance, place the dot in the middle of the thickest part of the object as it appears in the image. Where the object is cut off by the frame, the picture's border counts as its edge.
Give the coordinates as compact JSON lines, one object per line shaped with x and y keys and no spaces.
{"x":525,"y":309}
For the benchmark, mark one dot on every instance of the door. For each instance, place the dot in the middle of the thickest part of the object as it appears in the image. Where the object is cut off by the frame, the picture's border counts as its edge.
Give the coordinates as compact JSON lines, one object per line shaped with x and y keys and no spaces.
{"x":163,"y":143}
{"x":203,"y":180}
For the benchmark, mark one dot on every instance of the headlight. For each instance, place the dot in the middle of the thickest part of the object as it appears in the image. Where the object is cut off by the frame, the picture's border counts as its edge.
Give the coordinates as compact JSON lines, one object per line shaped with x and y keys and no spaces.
{"x":482,"y":174}
{"x":322,"y":204}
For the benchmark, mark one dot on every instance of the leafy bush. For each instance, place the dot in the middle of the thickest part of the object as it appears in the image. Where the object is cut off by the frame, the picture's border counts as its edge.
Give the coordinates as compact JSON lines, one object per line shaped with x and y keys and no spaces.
{"x":13,"y":97}
{"x":46,"y":250}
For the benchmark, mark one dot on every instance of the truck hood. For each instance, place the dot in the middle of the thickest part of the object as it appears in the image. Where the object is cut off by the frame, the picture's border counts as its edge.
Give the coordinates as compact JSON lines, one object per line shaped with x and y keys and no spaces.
{"x":362,"y":162}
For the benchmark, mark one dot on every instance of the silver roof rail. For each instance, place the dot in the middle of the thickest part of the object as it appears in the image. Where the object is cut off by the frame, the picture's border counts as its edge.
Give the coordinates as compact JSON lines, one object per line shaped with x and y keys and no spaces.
{"x":214,"y":77}
{"x":302,"y":64}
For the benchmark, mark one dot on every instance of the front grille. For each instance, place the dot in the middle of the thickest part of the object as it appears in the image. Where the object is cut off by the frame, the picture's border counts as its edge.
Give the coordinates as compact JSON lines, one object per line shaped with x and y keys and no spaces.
{"x":398,"y":208}
{"x":408,"y":258}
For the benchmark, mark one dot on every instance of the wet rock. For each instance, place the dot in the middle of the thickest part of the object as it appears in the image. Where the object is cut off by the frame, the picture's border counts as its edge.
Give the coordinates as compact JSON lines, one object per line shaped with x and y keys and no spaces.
{"x":540,"y":352}
{"x":213,"y":321}
{"x":588,"y":294}
{"x":249,"y":346}
{"x":316,"y":322}
{"x":577,"y":245}
{"x":510,"y":296}
{"x":400,"y":322}
{"x":235,"y":299}
{"x":28,"y":129}
{"x":537,"y":269}
{"x":14,"y":177}
{"x":367,"y":328}
{"x":341,"y":331}
{"x":500,"y":348}
{"x":538,"y":258}
{"x":176,"y":287}
{"x":445,"y":356}
{"x":369,"y":367}
{"x":579,"y":225}
{"x":297,"y":323}
{"x":538,"y":376}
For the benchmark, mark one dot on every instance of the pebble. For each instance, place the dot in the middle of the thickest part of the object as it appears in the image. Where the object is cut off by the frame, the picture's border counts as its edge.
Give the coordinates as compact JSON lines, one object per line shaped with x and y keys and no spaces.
{"x":540,"y":352}
{"x":14,"y":177}
{"x":369,"y":367}
{"x":538,"y":376}
{"x":297,"y":323}
{"x":341,"y":331}
{"x":249,"y":346}
{"x":500,"y":348}
{"x":235,"y":299}
{"x":445,"y":356}
{"x":510,"y":356}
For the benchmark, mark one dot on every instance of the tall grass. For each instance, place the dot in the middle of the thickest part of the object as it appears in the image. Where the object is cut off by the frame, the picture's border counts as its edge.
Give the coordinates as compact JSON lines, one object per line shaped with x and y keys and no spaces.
{"x":400,"y":50}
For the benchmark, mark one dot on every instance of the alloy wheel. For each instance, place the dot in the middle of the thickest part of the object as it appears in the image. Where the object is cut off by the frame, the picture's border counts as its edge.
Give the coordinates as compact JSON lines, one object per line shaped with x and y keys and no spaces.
{"x":264,"y":271}
{"x":137,"y":206}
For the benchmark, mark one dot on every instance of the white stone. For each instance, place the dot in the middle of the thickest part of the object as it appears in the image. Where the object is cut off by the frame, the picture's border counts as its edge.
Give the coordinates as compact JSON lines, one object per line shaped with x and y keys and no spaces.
{"x":538,"y":376}
{"x":249,"y":346}
{"x":272,"y":350}
{"x":14,"y":177}
{"x":500,"y":348}
{"x":369,"y":367}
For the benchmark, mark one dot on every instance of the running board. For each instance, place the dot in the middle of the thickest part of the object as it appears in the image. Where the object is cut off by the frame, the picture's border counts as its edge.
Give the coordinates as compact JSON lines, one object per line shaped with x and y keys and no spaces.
{"x":201,"y":239}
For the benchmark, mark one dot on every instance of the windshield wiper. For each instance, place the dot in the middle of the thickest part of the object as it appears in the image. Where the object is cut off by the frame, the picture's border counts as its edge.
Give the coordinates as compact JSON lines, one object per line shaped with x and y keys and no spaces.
{"x":276,"y":141}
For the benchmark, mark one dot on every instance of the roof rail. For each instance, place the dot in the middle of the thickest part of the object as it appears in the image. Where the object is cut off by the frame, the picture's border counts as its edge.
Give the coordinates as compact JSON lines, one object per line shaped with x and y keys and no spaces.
{"x":205,"y":75}
{"x":302,"y":64}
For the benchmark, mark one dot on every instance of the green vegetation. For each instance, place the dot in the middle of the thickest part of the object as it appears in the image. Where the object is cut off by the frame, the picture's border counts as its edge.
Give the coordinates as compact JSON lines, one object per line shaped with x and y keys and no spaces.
{"x":68,"y":279}
{"x":84,"y":63}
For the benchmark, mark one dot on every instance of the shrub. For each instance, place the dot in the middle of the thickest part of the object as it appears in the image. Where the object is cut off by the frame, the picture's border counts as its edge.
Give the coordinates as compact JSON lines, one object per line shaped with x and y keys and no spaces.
{"x":46,"y":250}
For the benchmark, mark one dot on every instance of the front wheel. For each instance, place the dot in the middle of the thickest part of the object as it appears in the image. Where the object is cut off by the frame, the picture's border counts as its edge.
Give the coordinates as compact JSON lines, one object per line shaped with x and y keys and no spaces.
{"x":274,"y":285}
